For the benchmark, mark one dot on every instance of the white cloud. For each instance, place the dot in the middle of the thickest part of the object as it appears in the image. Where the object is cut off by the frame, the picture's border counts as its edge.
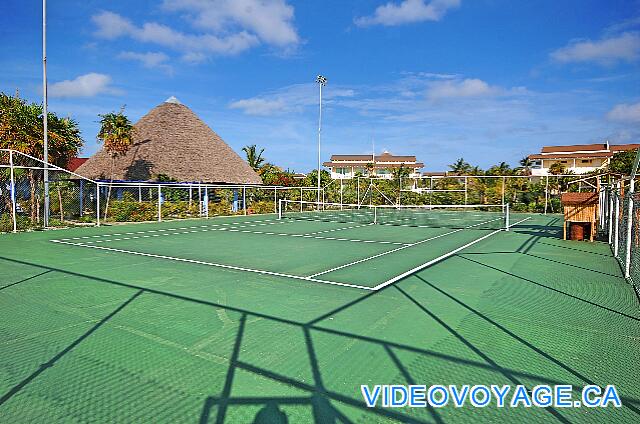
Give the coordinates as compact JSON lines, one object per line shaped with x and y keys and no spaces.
{"x":625,"y":113}
{"x":270,"y":20}
{"x":621,"y":48}
{"x":221,"y":27}
{"x":113,"y":26}
{"x":258,"y":106}
{"x":459,"y":89}
{"x":87,"y":85}
{"x":150,"y":60}
{"x":293,"y":98}
{"x":408,"y":11}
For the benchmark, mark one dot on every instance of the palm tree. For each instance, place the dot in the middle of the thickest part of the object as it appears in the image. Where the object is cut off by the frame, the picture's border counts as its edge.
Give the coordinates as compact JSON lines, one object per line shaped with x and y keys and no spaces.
{"x":254,"y":159}
{"x":116,"y":132}
{"x":525,"y":166}
{"x":460,"y":167}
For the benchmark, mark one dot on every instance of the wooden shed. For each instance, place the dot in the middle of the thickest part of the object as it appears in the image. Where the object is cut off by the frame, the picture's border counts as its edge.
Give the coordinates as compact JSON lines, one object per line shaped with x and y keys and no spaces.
{"x":580,"y":215}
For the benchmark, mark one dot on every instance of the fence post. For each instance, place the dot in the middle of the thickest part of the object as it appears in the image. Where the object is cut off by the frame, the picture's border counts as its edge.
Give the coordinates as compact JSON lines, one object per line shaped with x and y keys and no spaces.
{"x":244,"y":199}
{"x":546,"y":195}
{"x":159,"y":203}
{"x":627,"y":259}
{"x":503,"y":188}
{"x":610,"y":215}
{"x":275,"y":199}
{"x":506,"y":217}
{"x":98,"y":204}
{"x":616,"y":217}
{"x":280,"y":209}
{"x":466,"y":190}
{"x":12,"y":190}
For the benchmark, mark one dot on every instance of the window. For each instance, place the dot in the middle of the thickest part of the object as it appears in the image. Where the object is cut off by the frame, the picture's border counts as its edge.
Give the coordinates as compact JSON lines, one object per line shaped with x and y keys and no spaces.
{"x":586,"y":161}
{"x":563,"y":161}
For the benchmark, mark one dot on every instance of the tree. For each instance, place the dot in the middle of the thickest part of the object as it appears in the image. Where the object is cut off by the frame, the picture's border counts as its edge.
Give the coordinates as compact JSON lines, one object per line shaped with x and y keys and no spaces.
{"x":116,"y":132}
{"x":460,"y":167}
{"x":557,"y":169}
{"x":502,"y":168}
{"x":525,"y":166}
{"x":21,"y":129}
{"x":254,"y":159}
{"x":369,"y":166}
{"x":622,"y":162}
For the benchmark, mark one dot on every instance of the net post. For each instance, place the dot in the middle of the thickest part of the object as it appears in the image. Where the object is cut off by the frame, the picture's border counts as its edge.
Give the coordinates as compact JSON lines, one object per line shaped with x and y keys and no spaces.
{"x":375,"y":214}
{"x":159,"y":203}
{"x":13,"y":193}
{"x":506,"y":217}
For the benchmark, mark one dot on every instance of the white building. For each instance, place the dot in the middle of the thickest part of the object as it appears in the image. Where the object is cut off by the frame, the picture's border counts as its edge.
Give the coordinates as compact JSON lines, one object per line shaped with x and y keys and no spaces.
{"x":576,"y":159}
{"x":348,"y":166}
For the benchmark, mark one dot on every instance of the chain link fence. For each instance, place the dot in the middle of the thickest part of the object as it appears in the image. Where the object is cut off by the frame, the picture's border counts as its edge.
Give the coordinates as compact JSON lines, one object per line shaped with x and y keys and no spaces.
{"x":619,"y":224}
{"x":76,"y":201}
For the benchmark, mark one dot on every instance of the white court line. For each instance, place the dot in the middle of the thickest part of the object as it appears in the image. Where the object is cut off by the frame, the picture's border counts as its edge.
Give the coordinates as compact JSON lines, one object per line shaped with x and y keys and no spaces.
{"x":433,"y":261}
{"x":439,"y":258}
{"x":235,"y":268}
{"x":397,"y":249}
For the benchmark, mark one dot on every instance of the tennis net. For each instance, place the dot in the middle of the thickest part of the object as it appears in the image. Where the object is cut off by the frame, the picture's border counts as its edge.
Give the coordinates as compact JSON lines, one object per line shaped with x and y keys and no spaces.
{"x":492,"y":217}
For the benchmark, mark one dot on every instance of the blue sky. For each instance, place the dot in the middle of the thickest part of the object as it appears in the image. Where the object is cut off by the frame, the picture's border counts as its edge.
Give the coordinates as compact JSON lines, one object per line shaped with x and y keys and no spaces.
{"x":487,"y":80}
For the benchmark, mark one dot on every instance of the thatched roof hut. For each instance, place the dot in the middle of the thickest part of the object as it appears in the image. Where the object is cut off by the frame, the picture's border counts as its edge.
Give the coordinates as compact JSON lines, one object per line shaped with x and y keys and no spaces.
{"x":171,"y":140}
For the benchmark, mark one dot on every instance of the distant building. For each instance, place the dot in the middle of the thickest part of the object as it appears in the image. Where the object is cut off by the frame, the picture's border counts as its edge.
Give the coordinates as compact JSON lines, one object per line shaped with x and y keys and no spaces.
{"x":577,"y":159}
{"x":348,"y":166}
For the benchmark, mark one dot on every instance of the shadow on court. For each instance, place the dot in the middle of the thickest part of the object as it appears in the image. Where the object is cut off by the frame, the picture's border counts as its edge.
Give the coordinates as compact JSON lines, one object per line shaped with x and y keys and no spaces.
{"x":323,"y":396}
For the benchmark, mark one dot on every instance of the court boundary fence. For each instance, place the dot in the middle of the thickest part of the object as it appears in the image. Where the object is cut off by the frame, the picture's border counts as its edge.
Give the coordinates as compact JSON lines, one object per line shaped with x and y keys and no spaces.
{"x":80,"y":201}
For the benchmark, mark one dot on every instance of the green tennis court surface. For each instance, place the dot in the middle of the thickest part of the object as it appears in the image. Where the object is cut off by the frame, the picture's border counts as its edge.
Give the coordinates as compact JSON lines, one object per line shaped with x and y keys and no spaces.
{"x":254,"y":319}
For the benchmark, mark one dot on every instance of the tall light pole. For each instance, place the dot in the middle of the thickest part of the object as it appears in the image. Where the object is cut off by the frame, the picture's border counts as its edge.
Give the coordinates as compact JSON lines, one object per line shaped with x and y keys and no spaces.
{"x":322,"y":81}
{"x":45,"y":112}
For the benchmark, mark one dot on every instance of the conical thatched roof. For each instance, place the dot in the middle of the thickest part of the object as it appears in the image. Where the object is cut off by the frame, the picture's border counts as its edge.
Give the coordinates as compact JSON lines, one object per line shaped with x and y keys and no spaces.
{"x":173,"y":141}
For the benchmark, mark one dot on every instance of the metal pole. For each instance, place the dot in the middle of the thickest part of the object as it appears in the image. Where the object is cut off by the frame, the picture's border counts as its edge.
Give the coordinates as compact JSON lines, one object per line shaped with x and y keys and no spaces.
{"x":275,"y":199}
{"x":301,"y":195}
{"x":98,"y":204}
{"x":546,"y":195}
{"x":244,"y":199}
{"x":159,"y":203}
{"x":321,"y":82}
{"x":503,"y":183}
{"x":319,"y":138}
{"x":616,"y":217}
{"x":610,"y":215}
{"x":13,"y":193}
{"x":45,"y":113}
{"x":627,"y":259}
{"x":506,"y":218}
{"x":341,"y":197}
{"x":466,"y":192}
